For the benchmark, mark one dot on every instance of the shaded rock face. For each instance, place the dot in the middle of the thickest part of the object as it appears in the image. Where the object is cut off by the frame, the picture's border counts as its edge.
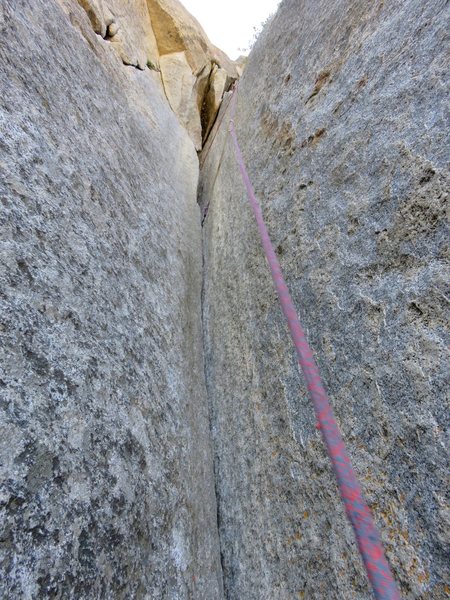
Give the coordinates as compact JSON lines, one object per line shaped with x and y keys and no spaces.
{"x":219,"y":82}
{"x":106,"y":469}
{"x":185,"y":91}
{"x":342,"y":117}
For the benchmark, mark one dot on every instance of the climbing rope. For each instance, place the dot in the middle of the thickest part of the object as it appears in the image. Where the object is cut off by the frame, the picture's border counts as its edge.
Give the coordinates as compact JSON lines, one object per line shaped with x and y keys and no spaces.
{"x":368,"y":539}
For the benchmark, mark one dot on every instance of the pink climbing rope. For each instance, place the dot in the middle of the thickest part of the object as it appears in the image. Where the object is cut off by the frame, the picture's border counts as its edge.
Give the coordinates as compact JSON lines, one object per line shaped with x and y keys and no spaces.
{"x":358,"y":512}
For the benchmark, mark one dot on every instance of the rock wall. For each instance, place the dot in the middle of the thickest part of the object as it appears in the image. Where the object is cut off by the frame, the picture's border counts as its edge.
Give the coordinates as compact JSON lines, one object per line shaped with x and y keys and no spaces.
{"x":127,"y":26}
{"x":190,"y":67}
{"x":108,"y":477}
{"x":341,"y":116}
{"x":163,"y":36}
{"x":106,"y":484}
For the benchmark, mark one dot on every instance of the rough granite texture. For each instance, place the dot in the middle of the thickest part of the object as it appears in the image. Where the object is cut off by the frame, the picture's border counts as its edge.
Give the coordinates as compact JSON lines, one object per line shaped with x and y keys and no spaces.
{"x":343,"y":118}
{"x":107,"y":472}
{"x":126,"y":25}
{"x":106,"y":478}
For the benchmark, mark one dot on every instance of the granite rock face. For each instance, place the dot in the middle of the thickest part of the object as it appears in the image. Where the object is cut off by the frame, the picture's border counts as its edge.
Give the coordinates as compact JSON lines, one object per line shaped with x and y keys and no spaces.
{"x":177,"y":30}
{"x":112,"y":448}
{"x":185,"y":91}
{"x":106,"y":484}
{"x":189,"y":63}
{"x":126,"y":24}
{"x":342,"y":116}
{"x":164,"y":36}
{"x":219,"y":83}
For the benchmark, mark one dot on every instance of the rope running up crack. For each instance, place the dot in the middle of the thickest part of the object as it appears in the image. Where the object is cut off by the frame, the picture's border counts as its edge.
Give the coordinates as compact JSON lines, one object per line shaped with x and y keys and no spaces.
{"x":358,"y":513}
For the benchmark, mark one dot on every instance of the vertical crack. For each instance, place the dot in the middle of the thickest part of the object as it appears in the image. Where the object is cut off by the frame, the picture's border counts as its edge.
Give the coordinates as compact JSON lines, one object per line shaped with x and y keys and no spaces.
{"x":210,"y":409}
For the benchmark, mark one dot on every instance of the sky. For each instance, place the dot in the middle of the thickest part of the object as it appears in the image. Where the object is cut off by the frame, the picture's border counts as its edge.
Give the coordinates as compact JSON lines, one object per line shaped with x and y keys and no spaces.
{"x":229,"y":24}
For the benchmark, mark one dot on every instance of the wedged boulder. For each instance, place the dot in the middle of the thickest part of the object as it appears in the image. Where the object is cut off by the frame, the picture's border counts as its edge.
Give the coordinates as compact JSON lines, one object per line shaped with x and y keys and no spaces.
{"x":195,"y":99}
{"x":219,"y":82}
{"x":183,"y":89}
{"x":177,"y":31}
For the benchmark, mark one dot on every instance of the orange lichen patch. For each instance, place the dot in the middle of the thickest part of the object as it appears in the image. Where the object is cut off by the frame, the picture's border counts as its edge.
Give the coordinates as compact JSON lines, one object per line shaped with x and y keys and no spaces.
{"x":362,"y":82}
{"x":405,"y":535}
{"x":283,"y":133}
{"x":295,"y":538}
{"x":313,"y":139}
{"x":387,"y":518}
{"x":269,"y":121}
{"x":305,"y":514}
{"x":423,"y":577}
{"x":417,"y":573}
{"x":286,"y":136}
{"x":322,"y":78}
{"x":319,"y":133}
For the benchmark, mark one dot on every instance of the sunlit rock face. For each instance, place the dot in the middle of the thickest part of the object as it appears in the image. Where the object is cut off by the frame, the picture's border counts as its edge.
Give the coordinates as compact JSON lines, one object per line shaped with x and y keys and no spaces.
{"x":341,"y":115}
{"x":163,"y":36}
{"x":189,"y":64}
